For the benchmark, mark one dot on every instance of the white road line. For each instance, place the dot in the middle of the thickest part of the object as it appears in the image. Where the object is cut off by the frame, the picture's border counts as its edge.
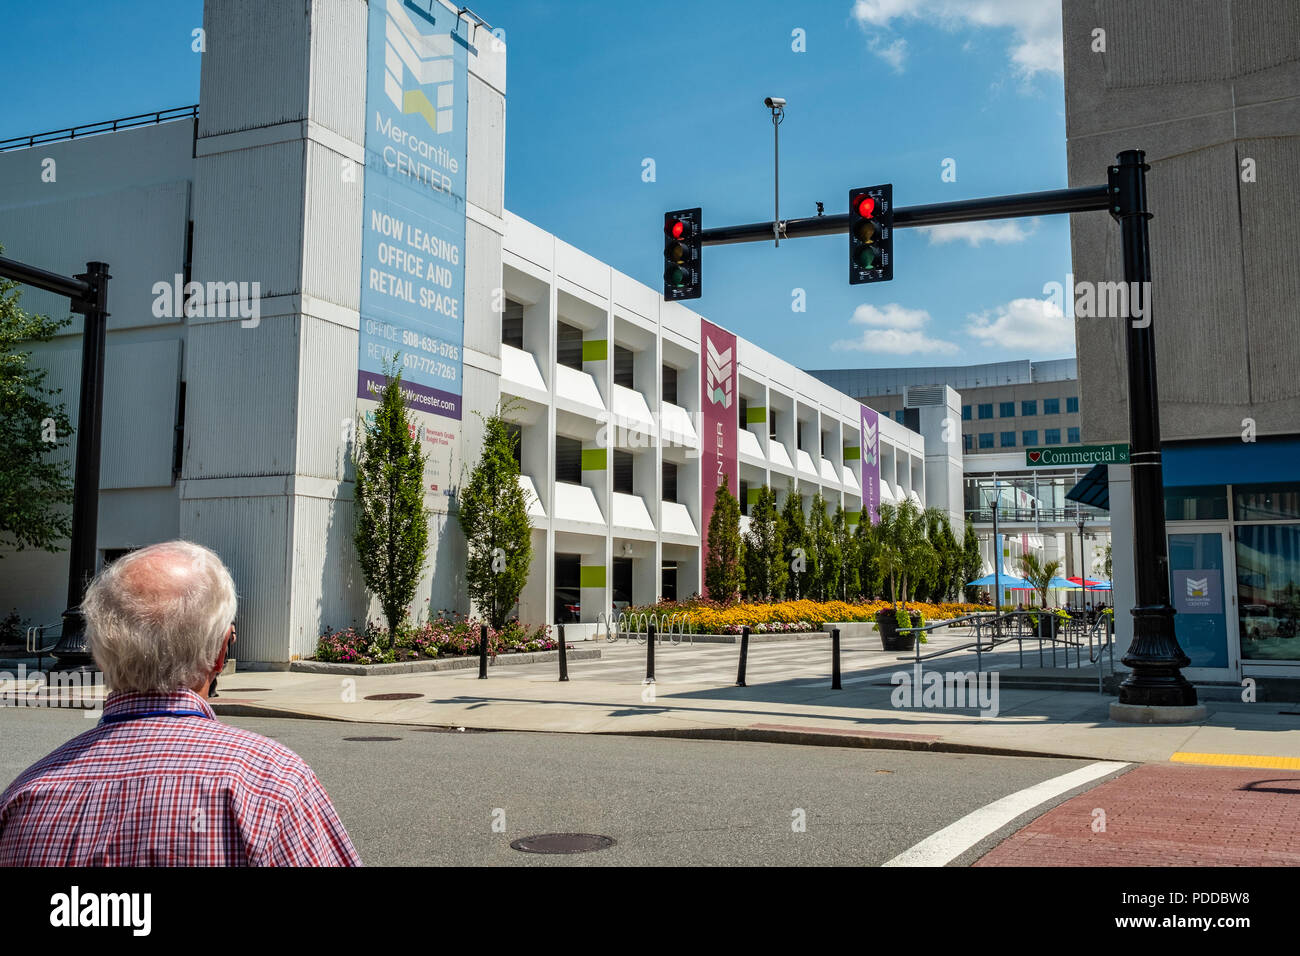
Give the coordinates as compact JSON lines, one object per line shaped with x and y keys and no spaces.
{"x":952,"y":841}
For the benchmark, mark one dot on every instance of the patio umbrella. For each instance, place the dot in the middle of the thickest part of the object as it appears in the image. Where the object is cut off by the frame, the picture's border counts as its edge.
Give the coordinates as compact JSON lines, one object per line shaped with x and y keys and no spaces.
{"x":1062,"y":584}
{"x":1089,"y":583}
{"x":1009,"y":582}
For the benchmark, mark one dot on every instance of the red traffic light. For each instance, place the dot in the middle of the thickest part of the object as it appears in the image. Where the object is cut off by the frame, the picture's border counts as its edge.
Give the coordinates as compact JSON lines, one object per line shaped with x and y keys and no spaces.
{"x":678,"y":229}
{"x":866,"y":207}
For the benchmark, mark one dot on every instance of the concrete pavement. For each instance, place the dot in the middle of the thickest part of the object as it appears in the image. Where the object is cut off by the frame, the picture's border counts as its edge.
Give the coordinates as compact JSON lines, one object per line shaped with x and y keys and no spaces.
{"x":788,"y":700}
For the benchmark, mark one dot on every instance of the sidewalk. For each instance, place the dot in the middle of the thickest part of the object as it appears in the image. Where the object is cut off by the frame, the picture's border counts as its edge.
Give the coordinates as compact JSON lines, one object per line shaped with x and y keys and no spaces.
{"x":695,"y":696}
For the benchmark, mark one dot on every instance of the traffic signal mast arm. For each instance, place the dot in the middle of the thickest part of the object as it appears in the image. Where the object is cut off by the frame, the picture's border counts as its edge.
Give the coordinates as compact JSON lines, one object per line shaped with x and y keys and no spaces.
{"x":1051,"y":202}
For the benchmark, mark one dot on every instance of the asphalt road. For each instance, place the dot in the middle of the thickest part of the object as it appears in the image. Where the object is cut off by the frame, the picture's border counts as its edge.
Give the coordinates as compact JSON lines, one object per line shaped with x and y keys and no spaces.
{"x":432,"y":797}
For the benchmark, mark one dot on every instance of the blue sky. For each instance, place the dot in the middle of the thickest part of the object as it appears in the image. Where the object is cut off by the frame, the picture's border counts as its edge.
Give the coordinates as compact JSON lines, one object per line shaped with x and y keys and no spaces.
{"x":884,"y":91}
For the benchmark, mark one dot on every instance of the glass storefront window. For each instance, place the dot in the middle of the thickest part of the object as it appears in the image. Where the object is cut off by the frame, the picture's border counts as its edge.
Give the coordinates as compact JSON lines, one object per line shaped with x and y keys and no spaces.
{"x":1268,"y":590}
{"x":1198,"y":503}
{"x":1266,"y":502}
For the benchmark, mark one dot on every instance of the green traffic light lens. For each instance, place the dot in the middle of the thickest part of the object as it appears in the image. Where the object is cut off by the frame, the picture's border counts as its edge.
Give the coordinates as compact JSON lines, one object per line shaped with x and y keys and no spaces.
{"x":868,"y":258}
{"x":677,"y":277}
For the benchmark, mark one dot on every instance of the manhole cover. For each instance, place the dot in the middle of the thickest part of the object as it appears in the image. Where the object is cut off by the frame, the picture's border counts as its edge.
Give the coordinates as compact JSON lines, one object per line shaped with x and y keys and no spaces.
{"x":563,"y":843}
{"x":393,"y":696}
{"x":370,"y":739}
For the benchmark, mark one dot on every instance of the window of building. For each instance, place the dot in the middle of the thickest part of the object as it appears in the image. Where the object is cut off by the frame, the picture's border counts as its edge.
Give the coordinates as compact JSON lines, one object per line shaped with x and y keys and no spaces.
{"x":568,"y":591}
{"x":1072,"y":436}
{"x":986,"y":410}
{"x":668,"y":581}
{"x":1051,"y":436}
{"x":1072,"y":406}
{"x":1029,"y":408}
{"x":965,"y":413}
{"x":620,"y":574}
{"x":568,"y":345}
{"x":1008,"y":440}
{"x":568,"y":460}
{"x":1006,"y":409}
{"x":624,"y":366}
{"x":771,"y":424}
{"x":512,"y":324}
{"x":1029,"y":437}
{"x":1196,"y":503}
{"x":1051,"y":406}
{"x":670,"y":481}
{"x":623,"y":471}
{"x":968,"y":441}
{"x":743,"y":497}
{"x":670,"y":385}
{"x":898,"y":415}
{"x":742,"y":411}
{"x":986,"y":439}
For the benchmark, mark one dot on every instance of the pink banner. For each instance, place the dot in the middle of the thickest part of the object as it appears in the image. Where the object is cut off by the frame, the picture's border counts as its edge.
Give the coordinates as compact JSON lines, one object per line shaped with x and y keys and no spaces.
{"x":719,"y":415}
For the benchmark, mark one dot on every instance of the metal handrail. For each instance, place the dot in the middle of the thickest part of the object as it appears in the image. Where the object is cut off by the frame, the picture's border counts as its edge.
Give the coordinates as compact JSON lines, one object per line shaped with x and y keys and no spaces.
{"x":33,"y":638}
{"x":104,"y":126}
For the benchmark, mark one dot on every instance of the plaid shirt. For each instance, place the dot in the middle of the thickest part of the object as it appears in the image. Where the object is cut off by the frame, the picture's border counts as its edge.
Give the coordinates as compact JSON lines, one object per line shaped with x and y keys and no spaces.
{"x":162,"y":790}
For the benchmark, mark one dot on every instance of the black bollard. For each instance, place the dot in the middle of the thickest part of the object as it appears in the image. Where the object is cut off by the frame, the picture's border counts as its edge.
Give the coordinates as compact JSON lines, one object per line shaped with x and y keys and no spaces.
{"x":564,"y":661}
{"x":744,"y":652}
{"x":835,"y":659}
{"x":482,"y":651}
{"x":650,"y":653}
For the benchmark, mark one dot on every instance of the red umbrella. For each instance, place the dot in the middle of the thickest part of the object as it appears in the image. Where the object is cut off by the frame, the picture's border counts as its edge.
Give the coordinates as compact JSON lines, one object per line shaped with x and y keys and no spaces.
{"x":1086,"y":582}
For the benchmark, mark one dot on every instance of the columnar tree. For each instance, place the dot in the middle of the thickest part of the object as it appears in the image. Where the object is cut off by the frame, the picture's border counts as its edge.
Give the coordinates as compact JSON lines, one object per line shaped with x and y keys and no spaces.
{"x":846,"y":544}
{"x":391,"y":524}
{"x":797,"y":552}
{"x":821,"y":534}
{"x":765,"y":563}
{"x":971,"y":562}
{"x":866,"y":549}
{"x":35,"y":479}
{"x":723,"y":574}
{"x":494,"y":517}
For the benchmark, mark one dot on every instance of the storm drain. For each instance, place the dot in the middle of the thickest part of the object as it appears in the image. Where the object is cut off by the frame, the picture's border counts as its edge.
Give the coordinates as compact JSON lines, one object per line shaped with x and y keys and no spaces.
{"x":246,"y":690}
{"x":370,"y":740}
{"x":563,"y":843}
{"x":393,"y":696}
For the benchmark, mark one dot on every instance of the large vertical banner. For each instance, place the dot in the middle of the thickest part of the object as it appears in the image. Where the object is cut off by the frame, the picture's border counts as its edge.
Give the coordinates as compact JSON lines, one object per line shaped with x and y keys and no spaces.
{"x":719,"y":415}
{"x":413,"y":231}
{"x":870,"y":444}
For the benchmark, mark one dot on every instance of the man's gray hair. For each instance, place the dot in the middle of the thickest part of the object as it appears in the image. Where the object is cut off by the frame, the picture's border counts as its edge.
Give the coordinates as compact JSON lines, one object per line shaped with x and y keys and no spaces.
{"x":156,"y":618}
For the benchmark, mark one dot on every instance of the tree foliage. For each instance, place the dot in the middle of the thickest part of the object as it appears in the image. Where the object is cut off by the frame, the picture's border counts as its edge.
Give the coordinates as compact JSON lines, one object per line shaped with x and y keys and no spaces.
{"x":35,"y":479}
{"x":723,"y":574}
{"x":391,"y":525}
{"x":494,"y":517}
{"x":765,"y":563}
{"x":794,"y":536}
{"x":825,"y":574}
{"x":971,"y":562}
{"x":1039,"y":573}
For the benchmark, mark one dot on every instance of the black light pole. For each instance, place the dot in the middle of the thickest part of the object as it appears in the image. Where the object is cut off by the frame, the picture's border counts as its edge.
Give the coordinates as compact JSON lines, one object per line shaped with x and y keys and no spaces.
{"x":88,"y":293}
{"x":1154,"y":655}
{"x":1083,"y":572}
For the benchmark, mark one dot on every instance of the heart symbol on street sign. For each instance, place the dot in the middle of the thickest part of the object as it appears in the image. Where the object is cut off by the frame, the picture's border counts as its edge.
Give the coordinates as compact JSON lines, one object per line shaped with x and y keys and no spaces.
{"x":1034,"y":456}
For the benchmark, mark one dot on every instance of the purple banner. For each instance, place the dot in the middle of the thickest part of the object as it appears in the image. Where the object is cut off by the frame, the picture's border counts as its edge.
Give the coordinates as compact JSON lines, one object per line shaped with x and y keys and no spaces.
{"x":719,"y":439}
{"x":870,"y":444}
{"x":421,"y":397}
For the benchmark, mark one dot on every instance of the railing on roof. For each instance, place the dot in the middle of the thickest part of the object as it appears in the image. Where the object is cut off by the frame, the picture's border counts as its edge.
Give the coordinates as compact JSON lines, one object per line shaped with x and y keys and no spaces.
{"x":107,"y":126}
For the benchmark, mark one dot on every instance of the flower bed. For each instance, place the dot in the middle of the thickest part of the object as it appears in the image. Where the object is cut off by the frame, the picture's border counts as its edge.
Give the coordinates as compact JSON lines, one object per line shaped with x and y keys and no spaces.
{"x":710,"y":617}
{"x":444,"y":636}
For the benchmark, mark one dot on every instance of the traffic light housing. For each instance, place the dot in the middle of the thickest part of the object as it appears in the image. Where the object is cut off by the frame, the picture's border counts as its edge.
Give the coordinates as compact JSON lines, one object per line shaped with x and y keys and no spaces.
{"x":682,"y":233}
{"x":871,"y":234}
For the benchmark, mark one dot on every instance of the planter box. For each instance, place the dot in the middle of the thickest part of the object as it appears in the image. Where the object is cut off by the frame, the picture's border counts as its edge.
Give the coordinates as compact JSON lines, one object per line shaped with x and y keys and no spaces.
{"x":890,"y":639}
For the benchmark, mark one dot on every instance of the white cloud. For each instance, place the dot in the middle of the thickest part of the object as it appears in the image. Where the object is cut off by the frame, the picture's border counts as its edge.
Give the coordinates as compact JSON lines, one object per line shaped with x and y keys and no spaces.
{"x":1035,"y":26}
{"x":893,"y":330}
{"x":996,"y":230}
{"x":1035,"y":326}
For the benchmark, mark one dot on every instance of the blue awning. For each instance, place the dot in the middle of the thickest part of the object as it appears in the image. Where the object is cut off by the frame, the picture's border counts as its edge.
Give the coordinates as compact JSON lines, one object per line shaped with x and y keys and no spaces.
{"x":1231,"y":462}
{"x":1222,"y":462}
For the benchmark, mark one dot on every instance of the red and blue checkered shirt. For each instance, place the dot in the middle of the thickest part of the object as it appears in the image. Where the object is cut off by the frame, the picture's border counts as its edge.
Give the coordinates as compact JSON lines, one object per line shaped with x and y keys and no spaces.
{"x":146,"y":789}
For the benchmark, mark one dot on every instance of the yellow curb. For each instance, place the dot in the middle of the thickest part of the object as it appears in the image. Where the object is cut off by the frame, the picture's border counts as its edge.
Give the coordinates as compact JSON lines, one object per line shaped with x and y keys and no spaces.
{"x":1239,"y":760}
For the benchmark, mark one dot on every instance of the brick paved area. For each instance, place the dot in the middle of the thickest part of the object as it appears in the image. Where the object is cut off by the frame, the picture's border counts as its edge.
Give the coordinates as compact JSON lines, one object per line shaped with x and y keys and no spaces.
{"x":1165,"y":815}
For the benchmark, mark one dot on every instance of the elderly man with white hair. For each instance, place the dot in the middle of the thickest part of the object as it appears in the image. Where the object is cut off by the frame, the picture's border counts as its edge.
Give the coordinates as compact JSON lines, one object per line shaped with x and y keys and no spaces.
{"x":159,"y":781}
